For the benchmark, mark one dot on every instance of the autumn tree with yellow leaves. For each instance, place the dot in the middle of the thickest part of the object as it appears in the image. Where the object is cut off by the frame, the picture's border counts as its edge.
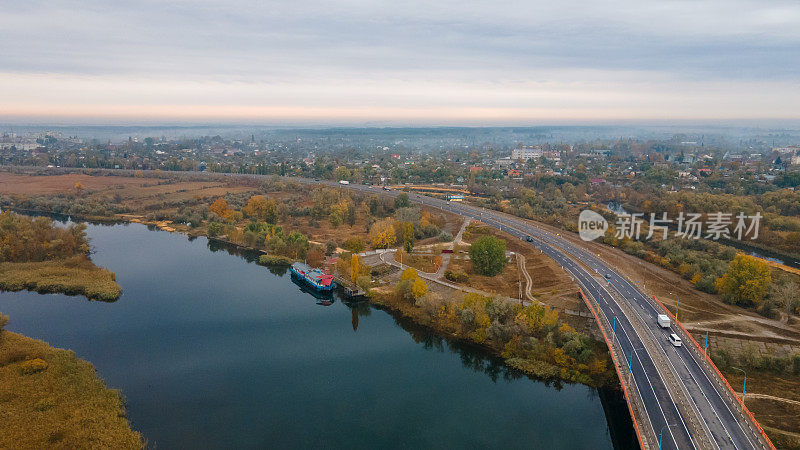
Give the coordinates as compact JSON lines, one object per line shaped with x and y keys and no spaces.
{"x":261,"y":208}
{"x":381,"y":233}
{"x":220,"y":208}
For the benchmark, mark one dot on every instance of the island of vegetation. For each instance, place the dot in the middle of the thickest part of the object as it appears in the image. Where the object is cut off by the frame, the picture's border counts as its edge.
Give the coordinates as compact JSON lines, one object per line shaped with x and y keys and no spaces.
{"x":39,"y":256}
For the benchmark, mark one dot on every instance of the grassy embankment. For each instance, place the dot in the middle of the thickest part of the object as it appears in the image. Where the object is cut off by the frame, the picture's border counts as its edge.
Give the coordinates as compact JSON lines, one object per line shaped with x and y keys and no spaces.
{"x":72,"y":276}
{"x":51,"y":399}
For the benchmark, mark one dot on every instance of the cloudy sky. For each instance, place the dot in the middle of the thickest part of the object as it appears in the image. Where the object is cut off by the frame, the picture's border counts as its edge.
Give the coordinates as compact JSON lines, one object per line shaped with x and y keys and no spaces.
{"x":399,"y":62}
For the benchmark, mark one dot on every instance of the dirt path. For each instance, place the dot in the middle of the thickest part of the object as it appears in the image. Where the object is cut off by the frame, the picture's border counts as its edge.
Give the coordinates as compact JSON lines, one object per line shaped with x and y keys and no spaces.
{"x":528,"y":279}
{"x":777,"y":399}
{"x":446,"y":256}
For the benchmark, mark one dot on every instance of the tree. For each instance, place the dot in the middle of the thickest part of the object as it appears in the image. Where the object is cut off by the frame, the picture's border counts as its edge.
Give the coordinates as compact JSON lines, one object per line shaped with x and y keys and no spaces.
{"x":419,"y":288}
{"x":488,"y":255}
{"x":259,"y":207}
{"x":355,"y":268}
{"x":402,"y":201}
{"x":407,"y":233}
{"x":381,"y":234}
{"x":342,"y":212}
{"x":315,"y":257}
{"x":786,"y":295}
{"x":215,"y":229}
{"x":746,"y":281}
{"x":220,"y":208}
{"x":297,"y":244}
{"x":409,"y":273}
{"x":79,"y":188}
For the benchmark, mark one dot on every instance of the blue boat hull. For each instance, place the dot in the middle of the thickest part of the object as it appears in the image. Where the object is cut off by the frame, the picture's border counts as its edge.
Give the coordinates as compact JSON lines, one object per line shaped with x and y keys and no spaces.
{"x":300,"y":277}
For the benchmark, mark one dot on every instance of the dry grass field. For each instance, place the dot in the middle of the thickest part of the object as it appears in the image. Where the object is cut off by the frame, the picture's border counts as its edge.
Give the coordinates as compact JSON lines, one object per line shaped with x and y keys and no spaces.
{"x":51,"y":399}
{"x":75,"y":276}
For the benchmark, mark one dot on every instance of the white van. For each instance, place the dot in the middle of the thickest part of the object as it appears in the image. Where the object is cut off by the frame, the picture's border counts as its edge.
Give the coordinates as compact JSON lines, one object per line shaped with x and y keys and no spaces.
{"x":675,"y":340}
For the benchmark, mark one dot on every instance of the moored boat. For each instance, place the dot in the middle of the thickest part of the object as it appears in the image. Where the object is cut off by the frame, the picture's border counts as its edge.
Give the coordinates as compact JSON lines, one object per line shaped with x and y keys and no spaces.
{"x":315,"y":278}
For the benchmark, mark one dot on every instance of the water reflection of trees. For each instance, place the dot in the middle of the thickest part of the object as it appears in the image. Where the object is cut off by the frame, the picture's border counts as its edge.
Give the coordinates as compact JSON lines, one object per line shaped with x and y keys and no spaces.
{"x":248,"y":255}
{"x":480,"y":360}
{"x":358,"y":309}
{"x":472,"y":356}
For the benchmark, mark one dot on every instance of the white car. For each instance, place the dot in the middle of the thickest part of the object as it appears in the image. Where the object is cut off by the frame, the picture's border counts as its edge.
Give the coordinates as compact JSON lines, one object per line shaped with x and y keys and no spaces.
{"x":675,"y":340}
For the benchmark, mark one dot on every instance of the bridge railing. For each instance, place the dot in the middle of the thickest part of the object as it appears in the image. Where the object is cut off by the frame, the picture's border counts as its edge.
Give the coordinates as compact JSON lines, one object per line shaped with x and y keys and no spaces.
{"x":641,"y":422}
{"x":722,"y":382}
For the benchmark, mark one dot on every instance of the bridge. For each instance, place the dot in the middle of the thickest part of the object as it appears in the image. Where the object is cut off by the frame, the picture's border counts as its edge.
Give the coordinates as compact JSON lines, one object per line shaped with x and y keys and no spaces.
{"x":676,"y":396}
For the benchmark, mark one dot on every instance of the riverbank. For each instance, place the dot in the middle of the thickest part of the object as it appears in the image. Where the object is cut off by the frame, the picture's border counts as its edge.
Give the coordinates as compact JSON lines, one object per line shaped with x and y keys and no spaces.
{"x":50,"y":398}
{"x":72,"y":276}
{"x":540,"y":359}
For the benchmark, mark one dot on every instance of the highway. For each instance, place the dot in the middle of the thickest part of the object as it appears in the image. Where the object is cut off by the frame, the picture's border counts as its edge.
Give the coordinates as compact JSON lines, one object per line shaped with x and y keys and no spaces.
{"x":683,"y":399}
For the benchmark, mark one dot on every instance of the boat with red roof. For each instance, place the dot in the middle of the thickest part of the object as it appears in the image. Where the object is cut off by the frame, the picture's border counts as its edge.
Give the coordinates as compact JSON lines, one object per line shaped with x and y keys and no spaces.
{"x":315,"y":278}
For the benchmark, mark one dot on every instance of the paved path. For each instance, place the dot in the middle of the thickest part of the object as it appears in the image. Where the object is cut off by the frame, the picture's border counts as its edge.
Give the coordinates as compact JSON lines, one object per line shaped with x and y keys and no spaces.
{"x":432,"y":277}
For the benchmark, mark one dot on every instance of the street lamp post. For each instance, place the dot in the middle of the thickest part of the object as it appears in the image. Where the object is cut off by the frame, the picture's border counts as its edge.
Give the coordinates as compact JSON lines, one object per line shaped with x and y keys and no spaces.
{"x":614,"y":331}
{"x":744,"y":385}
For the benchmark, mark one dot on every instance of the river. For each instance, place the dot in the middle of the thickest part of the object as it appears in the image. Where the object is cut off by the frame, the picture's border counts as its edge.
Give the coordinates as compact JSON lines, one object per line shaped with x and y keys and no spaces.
{"x":213,"y":351}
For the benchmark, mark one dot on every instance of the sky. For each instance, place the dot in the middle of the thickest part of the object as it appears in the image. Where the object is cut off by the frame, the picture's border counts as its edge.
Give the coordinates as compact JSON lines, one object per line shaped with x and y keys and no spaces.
{"x":399,"y":62}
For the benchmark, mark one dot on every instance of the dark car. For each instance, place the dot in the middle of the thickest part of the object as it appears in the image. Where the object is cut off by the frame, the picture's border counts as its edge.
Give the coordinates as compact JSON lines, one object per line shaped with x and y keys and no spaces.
{"x":529,"y":238}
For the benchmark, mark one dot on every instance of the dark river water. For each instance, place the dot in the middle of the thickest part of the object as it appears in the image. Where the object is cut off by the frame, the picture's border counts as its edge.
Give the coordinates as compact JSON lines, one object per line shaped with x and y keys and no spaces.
{"x":214,"y":351}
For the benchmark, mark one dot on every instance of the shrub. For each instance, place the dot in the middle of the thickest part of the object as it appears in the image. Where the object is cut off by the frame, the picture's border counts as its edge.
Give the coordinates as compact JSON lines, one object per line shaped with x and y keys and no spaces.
{"x":444,"y":236}
{"x":215,"y":229}
{"x":354,"y":245}
{"x":364,"y":282}
{"x":331,"y":247}
{"x":722,"y":360}
{"x":380,"y":270}
{"x":33,"y":366}
{"x":458,"y":277}
{"x":274,"y":260}
{"x":768,"y":310}
{"x":3,"y":321}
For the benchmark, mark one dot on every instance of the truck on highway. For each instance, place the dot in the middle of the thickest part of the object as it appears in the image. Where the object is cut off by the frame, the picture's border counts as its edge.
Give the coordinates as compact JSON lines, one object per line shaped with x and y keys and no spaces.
{"x":663,"y":321}
{"x":345,"y":182}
